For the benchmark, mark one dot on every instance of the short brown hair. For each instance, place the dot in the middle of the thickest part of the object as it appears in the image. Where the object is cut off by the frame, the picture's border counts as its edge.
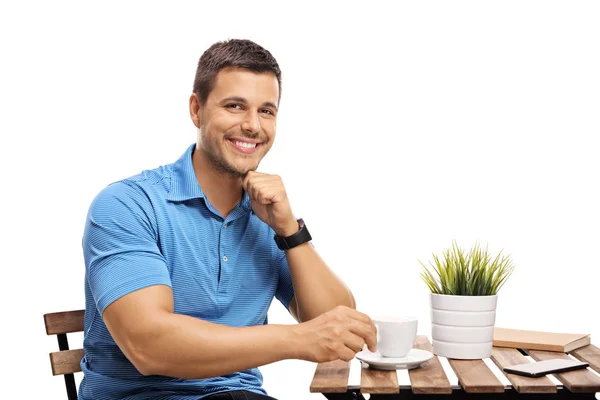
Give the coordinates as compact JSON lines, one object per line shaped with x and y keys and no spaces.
{"x":236,"y":53}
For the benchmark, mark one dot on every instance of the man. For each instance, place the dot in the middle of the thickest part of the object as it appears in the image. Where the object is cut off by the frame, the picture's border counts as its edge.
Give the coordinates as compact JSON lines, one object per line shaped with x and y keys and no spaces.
{"x":183,"y":261}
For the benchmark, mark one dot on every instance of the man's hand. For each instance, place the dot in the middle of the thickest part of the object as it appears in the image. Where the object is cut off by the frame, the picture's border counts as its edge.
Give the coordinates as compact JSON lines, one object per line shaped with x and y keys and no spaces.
{"x":270,"y":202}
{"x":335,"y":335}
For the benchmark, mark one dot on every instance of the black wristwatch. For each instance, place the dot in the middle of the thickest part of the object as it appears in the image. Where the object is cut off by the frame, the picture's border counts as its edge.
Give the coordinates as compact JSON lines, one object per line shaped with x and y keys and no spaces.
{"x":289,"y":242}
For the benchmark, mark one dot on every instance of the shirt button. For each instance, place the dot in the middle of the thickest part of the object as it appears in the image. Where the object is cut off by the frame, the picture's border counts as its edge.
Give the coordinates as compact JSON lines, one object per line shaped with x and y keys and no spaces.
{"x":225,"y":258}
{"x":226,"y":225}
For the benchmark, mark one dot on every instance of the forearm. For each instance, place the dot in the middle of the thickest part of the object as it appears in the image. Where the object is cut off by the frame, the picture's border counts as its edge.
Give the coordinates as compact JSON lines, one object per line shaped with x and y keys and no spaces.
{"x":185,"y":347}
{"x":317,"y":289}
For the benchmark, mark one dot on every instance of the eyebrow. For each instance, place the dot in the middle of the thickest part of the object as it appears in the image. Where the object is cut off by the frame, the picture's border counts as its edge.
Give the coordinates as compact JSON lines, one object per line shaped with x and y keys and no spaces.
{"x":243,"y":100}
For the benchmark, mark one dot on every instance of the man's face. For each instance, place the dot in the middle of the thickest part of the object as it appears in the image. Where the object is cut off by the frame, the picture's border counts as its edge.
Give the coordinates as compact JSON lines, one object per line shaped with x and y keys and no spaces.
{"x":237,"y":123}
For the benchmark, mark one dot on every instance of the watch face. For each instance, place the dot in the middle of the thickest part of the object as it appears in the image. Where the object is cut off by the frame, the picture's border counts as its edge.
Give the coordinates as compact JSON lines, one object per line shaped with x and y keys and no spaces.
{"x":302,"y":236}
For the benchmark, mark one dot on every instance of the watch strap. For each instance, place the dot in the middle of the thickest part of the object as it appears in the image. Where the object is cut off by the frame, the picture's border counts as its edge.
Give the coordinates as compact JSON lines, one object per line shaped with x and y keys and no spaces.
{"x":298,"y":238}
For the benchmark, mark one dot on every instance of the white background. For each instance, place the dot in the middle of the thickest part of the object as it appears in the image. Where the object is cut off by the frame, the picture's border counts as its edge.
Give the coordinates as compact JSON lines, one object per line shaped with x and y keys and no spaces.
{"x":402,"y":127}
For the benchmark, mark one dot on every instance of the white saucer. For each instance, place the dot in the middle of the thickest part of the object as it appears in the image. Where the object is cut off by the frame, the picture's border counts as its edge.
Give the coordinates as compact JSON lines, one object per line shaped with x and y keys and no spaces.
{"x":413,"y":359}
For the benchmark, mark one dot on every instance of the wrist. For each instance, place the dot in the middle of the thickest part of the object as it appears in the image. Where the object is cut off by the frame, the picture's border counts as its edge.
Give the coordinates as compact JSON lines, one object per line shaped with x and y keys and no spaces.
{"x":288,"y":230}
{"x":294,"y":344}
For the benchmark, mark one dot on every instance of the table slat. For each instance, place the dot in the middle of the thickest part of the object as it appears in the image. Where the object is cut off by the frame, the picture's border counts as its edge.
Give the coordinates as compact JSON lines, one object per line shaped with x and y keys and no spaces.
{"x":580,"y":381}
{"x":507,"y":357}
{"x":430,"y":377}
{"x":589,"y":354}
{"x":475,"y":377}
{"x":378,"y":381}
{"x":331,"y":377}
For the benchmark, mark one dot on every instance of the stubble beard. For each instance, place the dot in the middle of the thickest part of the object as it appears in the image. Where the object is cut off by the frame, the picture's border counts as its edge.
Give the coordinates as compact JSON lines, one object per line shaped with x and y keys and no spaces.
{"x":220,"y":164}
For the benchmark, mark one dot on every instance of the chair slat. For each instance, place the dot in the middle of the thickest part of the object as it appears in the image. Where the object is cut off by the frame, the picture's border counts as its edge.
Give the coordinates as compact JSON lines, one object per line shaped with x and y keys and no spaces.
{"x":589,"y":354}
{"x":331,"y":377}
{"x":66,"y":362}
{"x":507,"y":357}
{"x":378,"y":382}
{"x":475,"y":377}
{"x":430,"y":377}
{"x":579,"y":381}
{"x":64,"y":322}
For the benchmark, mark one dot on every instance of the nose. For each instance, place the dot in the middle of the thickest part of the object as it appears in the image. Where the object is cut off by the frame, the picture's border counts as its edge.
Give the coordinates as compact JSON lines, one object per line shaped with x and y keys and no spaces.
{"x":251,"y":123}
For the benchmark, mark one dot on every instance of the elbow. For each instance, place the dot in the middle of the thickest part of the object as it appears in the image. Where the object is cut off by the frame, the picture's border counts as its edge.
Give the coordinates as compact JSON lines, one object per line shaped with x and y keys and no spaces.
{"x":141,"y":358}
{"x":139,"y":351}
{"x":146,"y":368}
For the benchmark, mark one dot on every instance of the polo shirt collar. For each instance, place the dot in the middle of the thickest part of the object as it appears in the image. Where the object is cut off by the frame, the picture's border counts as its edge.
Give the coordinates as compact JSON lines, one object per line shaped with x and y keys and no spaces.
{"x":185,"y":186}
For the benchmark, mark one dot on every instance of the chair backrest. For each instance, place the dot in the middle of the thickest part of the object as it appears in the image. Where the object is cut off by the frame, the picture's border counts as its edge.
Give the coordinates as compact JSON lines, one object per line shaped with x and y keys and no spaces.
{"x":65,"y":362}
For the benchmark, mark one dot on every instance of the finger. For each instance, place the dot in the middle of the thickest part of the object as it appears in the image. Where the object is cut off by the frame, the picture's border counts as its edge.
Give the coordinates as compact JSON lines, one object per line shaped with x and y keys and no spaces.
{"x":274,"y":194}
{"x":263,"y":197}
{"x":260,"y":177}
{"x":364,"y":318}
{"x":365,"y":331}
{"x":251,"y":178}
{"x":270,"y":195}
{"x":258,"y":180}
{"x":254,"y":191}
{"x":353,"y":342}
{"x":266,"y":177}
{"x":268,"y":183}
{"x":257,"y":177}
{"x":357,"y":315}
{"x":253,"y":174}
{"x":346,"y":354}
{"x":246,"y":183}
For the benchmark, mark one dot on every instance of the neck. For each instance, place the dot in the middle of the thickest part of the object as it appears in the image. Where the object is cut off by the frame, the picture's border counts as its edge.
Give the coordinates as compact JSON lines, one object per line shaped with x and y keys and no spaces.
{"x":223,"y":190}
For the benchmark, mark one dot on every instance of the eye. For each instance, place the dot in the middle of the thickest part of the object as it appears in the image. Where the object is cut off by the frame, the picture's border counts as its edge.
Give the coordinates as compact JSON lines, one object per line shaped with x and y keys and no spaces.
{"x":234,"y":106}
{"x":267,"y":111}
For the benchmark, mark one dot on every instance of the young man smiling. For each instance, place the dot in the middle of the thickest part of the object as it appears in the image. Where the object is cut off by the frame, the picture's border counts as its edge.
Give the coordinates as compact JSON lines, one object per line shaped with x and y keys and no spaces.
{"x":183,"y":261}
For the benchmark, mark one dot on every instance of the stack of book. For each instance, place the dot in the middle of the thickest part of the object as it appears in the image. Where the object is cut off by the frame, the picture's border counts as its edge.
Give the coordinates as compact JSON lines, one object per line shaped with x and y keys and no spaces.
{"x":534,"y":340}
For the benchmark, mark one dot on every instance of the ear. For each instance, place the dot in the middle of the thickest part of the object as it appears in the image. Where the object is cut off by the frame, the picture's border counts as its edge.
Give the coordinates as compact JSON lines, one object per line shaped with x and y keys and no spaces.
{"x":196,"y":110}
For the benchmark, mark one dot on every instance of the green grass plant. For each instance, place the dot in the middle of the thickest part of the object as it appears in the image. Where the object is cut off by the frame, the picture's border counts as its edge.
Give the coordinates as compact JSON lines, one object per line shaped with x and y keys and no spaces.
{"x":472,"y":273}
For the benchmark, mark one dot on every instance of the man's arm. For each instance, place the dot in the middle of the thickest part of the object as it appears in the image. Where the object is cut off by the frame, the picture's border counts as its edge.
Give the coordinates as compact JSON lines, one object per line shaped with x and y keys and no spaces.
{"x":159,"y":342}
{"x":316,"y":288}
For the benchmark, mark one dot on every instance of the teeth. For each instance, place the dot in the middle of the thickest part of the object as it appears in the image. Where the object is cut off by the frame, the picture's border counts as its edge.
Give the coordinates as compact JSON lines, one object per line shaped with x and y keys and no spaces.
{"x":244,"y":144}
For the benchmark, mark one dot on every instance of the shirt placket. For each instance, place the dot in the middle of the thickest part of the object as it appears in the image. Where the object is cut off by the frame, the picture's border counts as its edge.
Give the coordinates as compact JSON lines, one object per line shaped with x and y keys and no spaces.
{"x":227,"y":252}
{"x":225,"y":262}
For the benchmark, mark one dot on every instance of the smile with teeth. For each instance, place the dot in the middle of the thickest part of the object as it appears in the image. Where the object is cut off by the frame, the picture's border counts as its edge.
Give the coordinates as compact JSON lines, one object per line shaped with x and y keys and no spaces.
{"x":245,"y":147}
{"x":245,"y":144}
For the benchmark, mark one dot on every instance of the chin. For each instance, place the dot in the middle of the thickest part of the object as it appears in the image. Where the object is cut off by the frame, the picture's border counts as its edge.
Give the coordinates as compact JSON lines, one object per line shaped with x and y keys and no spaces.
{"x":240,"y":170}
{"x":244,"y":171}
{"x":244,"y":166}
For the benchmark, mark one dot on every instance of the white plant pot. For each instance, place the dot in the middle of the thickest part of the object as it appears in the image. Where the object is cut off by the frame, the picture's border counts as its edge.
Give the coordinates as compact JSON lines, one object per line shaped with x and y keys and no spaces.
{"x":462,"y":327}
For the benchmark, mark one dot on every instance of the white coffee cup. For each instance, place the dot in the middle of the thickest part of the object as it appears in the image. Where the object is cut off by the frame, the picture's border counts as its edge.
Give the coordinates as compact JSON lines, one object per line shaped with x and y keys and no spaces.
{"x":395,"y":335}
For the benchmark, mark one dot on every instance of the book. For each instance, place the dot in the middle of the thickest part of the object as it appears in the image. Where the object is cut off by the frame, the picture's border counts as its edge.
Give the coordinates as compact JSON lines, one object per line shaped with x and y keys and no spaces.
{"x":534,"y":340}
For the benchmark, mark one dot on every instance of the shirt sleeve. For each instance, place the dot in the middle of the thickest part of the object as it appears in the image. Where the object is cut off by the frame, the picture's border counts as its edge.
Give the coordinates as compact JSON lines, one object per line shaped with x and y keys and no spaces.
{"x":120,"y":244}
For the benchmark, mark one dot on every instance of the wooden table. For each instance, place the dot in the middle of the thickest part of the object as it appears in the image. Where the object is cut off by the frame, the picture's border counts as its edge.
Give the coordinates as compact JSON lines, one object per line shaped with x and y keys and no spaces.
{"x":473,"y":378}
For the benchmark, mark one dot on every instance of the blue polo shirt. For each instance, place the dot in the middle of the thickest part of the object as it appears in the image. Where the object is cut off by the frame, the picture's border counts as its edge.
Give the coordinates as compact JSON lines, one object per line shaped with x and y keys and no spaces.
{"x":158,"y":228}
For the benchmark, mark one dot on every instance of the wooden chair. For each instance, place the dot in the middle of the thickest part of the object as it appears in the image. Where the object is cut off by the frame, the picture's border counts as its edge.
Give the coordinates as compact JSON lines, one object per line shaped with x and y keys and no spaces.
{"x":65,"y":362}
